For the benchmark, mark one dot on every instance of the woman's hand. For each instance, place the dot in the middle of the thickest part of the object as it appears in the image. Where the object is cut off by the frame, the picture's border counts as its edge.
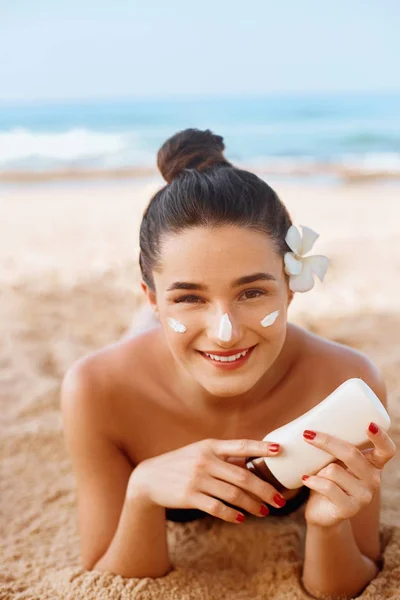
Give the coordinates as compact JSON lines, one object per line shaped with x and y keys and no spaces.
{"x":340,"y":491}
{"x":203,"y":476}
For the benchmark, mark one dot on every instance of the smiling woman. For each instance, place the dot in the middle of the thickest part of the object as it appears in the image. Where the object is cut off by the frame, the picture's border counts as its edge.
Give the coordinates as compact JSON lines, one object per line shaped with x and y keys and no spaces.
{"x":160,"y":424}
{"x":222,"y":302}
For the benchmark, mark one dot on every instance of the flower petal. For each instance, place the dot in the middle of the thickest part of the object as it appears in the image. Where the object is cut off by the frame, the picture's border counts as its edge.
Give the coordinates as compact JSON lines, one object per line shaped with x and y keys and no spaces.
{"x":319,"y":265}
{"x":293,"y":239}
{"x":293,"y":266}
{"x":308,"y":239}
{"x":303,"y":282}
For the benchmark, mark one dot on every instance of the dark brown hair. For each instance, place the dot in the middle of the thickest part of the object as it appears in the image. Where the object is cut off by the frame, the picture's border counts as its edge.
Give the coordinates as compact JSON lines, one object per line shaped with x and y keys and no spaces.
{"x":205,"y":190}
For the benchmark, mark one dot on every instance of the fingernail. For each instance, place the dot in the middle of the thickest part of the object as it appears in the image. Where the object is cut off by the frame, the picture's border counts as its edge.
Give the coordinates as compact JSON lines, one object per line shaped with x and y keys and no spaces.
{"x":274,"y":447}
{"x":373,"y":428}
{"x":279,"y":500}
{"x":309,"y":435}
{"x":305,"y":477}
{"x":264,"y":510}
{"x":240,"y":518}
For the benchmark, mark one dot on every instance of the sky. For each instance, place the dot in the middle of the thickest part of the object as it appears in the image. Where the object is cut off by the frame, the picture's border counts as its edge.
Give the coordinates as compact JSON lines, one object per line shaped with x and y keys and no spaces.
{"x":87,"y":49}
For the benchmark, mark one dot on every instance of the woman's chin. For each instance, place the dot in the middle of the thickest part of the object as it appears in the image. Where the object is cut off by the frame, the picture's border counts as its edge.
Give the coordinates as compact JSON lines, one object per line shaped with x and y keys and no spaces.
{"x":227,"y":389}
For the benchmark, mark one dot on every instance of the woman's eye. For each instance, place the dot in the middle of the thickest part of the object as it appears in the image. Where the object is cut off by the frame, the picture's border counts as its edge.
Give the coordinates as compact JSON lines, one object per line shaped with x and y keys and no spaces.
{"x":254,"y":293}
{"x":195,"y":299}
{"x":187,"y":299}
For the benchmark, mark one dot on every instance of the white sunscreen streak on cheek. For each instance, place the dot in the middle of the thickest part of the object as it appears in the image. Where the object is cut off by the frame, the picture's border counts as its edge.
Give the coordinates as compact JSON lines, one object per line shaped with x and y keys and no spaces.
{"x":225,"y":328}
{"x":176,"y":325}
{"x":270,"y":319}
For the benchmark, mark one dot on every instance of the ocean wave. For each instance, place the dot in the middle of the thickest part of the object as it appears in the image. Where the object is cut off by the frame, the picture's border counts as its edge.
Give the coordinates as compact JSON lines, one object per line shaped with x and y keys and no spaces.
{"x":82,"y":152}
{"x":80,"y":146}
{"x":20,"y":144}
{"x":22,"y":148}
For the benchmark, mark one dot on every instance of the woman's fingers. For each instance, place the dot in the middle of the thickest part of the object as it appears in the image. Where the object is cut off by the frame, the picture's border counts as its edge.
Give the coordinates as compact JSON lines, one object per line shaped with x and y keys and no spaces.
{"x":349,"y":454}
{"x":361,"y":464}
{"x":351,"y":485}
{"x":229,"y":481}
{"x":216,"y":508}
{"x":242,"y":448}
{"x":245,"y":480}
{"x":239,"y":461}
{"x":384,"y":447}
{"x":233,"y":495}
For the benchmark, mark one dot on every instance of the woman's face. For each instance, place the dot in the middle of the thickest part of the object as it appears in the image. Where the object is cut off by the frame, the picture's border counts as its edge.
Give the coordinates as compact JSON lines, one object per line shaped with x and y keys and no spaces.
{"x":197,"y":282}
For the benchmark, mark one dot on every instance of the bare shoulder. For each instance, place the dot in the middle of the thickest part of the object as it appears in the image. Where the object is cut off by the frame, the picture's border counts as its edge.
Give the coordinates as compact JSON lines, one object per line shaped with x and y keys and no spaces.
{"x":334,"y":363}
{"x":84,"y":393}
{"x":105,"y":366}
{"x":102,"y":380}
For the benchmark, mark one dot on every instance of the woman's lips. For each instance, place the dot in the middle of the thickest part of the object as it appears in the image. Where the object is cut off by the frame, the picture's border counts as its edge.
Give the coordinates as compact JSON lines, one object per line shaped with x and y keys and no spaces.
{"x":225,"y":352}
{"x":230,"y":365}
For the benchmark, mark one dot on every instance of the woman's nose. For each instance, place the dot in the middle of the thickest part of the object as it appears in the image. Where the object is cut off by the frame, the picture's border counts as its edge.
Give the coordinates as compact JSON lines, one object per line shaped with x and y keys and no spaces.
{"x":224,"y":329}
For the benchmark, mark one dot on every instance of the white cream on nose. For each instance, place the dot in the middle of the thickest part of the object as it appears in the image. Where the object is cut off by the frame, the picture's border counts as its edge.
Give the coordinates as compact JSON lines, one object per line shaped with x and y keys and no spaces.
{"x":270,"y":319}
{"x":176,"y":325}
{"x":225,"y":328}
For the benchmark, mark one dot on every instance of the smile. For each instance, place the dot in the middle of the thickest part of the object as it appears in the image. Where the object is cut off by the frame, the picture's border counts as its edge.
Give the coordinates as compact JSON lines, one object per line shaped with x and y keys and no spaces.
{"x":231,"y":361}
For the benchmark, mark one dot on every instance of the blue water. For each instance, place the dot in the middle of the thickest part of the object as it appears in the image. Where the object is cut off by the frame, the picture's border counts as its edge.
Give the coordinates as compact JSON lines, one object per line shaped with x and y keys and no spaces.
{"x":361,"y":129}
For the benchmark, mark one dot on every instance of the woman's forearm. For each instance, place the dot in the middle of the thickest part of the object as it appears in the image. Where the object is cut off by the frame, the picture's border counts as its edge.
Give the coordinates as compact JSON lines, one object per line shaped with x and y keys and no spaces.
{"x":139,"y":547}
{"x":333,"y":563}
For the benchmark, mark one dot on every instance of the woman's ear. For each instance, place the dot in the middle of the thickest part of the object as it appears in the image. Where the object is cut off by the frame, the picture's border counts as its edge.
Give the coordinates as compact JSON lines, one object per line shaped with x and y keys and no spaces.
{"x":290,"y":296}
{"x":151,"y":296}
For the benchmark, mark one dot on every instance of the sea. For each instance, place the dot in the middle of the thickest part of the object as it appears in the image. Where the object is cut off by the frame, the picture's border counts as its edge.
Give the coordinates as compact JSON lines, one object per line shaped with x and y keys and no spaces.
{"x":310,"y":134}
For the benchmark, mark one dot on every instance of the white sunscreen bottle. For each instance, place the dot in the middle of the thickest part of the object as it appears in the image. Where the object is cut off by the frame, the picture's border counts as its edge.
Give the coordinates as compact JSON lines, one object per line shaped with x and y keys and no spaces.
{"x":345,"y":414}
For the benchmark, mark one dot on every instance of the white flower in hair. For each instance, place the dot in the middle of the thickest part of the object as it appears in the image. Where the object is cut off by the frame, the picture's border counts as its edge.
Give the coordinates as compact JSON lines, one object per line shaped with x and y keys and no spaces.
{"x":299,"y":268}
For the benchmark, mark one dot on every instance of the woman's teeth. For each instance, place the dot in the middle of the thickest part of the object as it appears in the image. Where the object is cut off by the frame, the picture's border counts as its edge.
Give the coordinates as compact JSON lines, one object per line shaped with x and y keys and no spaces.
{"x":227,"y":358}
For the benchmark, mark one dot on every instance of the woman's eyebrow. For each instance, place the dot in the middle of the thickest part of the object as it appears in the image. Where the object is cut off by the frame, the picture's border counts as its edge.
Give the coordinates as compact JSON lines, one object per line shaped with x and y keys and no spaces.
{"x":186,"y":285}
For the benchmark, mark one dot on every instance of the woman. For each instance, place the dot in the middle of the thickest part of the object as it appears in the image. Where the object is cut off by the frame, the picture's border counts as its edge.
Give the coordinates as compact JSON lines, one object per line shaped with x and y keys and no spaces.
{"x":159,"y":424}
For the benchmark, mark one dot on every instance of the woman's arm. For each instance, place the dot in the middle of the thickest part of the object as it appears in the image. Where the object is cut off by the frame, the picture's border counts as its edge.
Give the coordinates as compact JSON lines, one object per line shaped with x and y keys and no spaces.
{"x":119,"y":534}
{"x":345,"y":558}
{"x":333,"y":564}
{"x":139,"y":547}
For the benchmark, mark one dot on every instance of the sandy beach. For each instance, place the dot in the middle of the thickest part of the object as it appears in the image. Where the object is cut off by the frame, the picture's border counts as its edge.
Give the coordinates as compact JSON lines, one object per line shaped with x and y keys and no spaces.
{"x":70,"y":284}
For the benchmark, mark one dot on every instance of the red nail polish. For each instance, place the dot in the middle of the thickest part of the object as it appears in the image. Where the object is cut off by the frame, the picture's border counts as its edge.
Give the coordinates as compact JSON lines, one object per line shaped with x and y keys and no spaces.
{"x":264,"y":510}
{"x":309,"y":435}
{"x":274,"y":447}
{"x":279,"y":500}
{"x":240,"y":518}
{"x":305,"y":477}
{"x":373,"y":428}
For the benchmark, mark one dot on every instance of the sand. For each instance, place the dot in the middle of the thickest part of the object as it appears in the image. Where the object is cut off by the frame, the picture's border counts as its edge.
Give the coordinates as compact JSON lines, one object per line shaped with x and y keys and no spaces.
{"x":70,"y":284}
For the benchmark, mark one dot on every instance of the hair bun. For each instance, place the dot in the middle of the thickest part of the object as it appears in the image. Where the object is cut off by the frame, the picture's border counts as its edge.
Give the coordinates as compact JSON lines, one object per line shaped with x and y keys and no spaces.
{"x":190,"y":149}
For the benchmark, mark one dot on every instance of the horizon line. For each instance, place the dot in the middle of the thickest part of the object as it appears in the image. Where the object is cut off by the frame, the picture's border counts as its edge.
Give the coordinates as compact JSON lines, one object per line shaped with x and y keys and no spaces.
{"x":156,"y":97}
